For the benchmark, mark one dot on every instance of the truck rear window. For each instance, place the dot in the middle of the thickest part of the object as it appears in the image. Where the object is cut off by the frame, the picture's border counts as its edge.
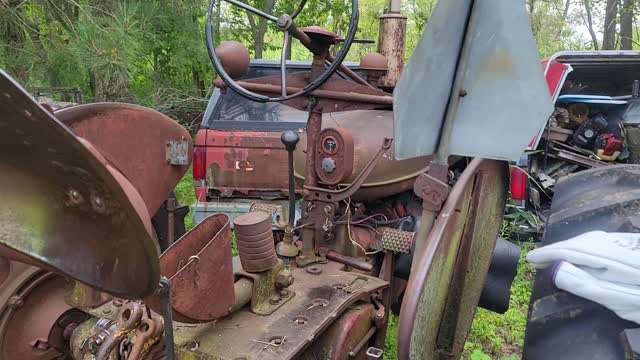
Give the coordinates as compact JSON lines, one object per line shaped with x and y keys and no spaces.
{"x":231,"y":111}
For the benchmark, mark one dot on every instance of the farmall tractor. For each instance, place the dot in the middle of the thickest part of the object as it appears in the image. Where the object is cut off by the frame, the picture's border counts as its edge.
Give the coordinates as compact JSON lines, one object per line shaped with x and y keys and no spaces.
{"x":83,"y":277}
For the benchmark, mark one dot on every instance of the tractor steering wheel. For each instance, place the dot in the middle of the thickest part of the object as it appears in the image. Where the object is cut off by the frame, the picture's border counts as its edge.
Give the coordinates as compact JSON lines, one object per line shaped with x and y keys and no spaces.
{"x":287,"y":25}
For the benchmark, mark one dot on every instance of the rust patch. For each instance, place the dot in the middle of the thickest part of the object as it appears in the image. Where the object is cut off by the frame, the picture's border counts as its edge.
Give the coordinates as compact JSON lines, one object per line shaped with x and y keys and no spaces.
{"x":66,"y":208}
{"x":119,"y":131}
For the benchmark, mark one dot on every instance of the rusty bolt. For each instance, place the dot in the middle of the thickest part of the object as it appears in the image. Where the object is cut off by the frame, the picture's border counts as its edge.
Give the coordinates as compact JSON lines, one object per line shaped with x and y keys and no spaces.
{"x":99,"y":340}
{"x":284,"y":22}
{"x":106,"y":311}
{"x":41,"y":345}
{"x":274,"y":299}
{"x":75,"y":198}
{"x":97,"y":203}
{"x":16,"y":301}
{"x":463,"y":93}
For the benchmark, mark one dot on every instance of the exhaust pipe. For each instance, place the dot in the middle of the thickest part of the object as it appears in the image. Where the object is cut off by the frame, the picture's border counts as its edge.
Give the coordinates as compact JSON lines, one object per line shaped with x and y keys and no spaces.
{"x":391,"y":42}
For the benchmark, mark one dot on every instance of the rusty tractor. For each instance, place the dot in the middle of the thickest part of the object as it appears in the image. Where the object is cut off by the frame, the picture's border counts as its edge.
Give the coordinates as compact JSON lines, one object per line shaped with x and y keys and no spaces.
{"x":81,"y":271}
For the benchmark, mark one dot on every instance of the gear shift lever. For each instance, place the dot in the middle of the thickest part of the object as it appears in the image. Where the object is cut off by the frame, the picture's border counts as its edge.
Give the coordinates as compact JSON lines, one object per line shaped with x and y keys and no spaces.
{"x":286,"y":248}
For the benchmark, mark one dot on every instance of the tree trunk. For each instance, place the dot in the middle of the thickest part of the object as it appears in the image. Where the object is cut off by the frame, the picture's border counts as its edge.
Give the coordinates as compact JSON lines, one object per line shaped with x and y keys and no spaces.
{"x":589,"y":21}
{"x":288,"y":54}
{"x":626,"y":25}
{"x":216,"y":22}
{"x":258,"y":45}
{"x":567,"y":5}
{"x":259,"y":28}
{"x":197,"y":81}
{"x":610,"y":22}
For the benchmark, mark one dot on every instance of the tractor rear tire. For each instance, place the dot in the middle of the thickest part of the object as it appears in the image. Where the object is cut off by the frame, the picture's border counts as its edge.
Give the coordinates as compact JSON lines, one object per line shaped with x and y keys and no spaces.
{"x":564,"y":326}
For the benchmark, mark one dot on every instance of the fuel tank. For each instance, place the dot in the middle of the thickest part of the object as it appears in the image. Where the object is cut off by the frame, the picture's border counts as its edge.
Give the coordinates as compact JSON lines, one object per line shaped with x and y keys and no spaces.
{"x":367,"y":128}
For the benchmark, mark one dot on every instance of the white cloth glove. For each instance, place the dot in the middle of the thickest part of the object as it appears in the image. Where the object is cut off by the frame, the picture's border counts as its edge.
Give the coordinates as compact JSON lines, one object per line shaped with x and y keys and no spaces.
{"x":598,"y":266}
{"x":622,"y":299}
{"x":607,"y":256}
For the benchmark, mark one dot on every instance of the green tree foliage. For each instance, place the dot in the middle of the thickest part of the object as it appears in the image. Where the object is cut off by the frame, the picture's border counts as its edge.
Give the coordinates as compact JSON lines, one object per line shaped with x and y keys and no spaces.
{"x":152,"y":51}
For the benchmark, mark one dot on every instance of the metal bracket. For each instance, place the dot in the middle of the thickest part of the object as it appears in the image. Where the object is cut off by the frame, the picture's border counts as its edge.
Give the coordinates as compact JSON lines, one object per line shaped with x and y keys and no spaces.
{"x":269,"y":294}
{"x":316,"y":193}
{"x":431,"y":190}
{"x":374,"y":353}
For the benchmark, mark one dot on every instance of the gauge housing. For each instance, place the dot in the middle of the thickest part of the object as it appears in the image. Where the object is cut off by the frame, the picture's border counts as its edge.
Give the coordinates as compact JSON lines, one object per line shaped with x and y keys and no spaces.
{"x":334,"y":155}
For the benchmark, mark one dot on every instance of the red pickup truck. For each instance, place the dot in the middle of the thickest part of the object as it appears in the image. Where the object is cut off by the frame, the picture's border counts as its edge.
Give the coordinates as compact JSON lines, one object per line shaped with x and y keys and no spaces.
{"x":600,"y":82}
{"x":591,"y":190}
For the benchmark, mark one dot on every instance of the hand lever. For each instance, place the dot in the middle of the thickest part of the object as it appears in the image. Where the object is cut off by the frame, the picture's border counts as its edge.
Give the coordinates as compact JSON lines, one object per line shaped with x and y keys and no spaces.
{"x":286,"y":249}
{"x":290,"y":140}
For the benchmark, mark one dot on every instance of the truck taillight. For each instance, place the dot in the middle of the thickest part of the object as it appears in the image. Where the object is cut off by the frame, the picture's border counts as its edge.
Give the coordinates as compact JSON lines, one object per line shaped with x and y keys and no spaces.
{"x":199,"y":163}
{"x":518,"y":183}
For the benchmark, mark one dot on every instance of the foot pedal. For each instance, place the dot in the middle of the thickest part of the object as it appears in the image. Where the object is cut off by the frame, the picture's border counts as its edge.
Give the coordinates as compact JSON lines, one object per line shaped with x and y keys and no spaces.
{"x":394,"y":240}
{"x":269,"y":209}
{"x":373,"y":353}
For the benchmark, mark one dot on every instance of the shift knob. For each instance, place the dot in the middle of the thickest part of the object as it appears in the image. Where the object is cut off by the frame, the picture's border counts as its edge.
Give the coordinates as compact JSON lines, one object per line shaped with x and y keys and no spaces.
{"x":290,"y":139}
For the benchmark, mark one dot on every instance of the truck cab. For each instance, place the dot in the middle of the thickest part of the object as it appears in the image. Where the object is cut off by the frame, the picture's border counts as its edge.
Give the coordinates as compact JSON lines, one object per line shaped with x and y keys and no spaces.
{"x":239,"y":138}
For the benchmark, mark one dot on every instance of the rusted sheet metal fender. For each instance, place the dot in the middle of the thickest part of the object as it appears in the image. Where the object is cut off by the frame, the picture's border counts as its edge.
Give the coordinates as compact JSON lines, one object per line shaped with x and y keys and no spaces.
{"x":443,"y":291}
{"x":65,"y":208}
{"x":134,"y":139}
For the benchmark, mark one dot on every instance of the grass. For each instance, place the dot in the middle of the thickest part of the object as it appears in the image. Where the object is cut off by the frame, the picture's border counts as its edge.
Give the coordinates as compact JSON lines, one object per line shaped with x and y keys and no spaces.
{"x":185,"y":195}
{"x":492,"y":336}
